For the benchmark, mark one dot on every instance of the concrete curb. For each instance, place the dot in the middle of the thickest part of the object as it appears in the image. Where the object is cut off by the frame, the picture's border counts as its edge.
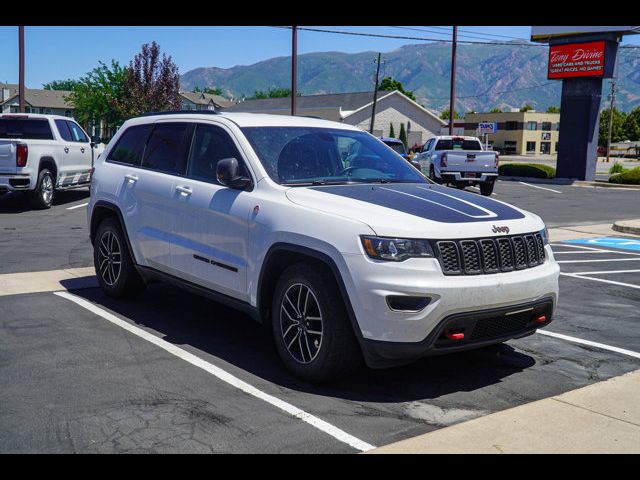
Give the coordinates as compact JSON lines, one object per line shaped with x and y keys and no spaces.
{"x":627,"y":226}
{"x":569,"y":181}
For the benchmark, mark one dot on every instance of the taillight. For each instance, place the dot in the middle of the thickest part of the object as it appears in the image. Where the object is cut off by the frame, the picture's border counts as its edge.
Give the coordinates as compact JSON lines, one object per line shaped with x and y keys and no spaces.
{"x":22,"y":152}
{"x":443,"y":160}
{"x":497,"y":159}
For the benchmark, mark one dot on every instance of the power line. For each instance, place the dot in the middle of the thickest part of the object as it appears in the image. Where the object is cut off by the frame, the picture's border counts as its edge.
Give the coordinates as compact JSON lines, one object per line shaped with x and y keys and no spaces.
{"x":499,"y":93}
{"x":399,"y":37}
{"x":461,"y":35}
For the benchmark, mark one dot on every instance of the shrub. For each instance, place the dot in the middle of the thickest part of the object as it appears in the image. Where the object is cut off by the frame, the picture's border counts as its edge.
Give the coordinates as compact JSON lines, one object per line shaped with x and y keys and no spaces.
{"x":616,"y":168}
{"x":533,"y":170}
{"x":630,"y":177}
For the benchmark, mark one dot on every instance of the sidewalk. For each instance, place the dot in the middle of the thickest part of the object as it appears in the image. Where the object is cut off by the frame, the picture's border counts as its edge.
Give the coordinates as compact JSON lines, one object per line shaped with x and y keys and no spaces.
{"x":600,"y":418}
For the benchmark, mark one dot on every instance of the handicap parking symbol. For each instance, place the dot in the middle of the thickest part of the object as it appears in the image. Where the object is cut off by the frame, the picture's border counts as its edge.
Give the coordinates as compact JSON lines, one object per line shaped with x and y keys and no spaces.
{"x":614,"y":242}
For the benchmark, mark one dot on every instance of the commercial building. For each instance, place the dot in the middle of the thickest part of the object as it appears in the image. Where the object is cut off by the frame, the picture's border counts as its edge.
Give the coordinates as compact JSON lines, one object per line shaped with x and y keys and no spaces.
{"x":519,"y":133}
{"x":392,"y":108}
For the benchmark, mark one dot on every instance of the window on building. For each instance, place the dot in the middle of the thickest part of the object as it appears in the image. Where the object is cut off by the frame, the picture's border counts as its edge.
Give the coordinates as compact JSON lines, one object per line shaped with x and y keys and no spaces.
{"x":511,"y":126}
{"x":510,"y":146}
{"x":546,"y":126}
{"x":531,"y":147}
{"x":558,"y":126}
{"x":532,"y":125}
{"x":167,"y":148}
{"x":545,"y":148}
{"x":556,"y":147}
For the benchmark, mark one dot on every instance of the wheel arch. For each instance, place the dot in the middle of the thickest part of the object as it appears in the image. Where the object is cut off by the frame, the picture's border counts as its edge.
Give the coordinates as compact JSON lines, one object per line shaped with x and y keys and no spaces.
{"x":49,"y":162}
{"x":103,"y":210}
{"x":280,"y":256}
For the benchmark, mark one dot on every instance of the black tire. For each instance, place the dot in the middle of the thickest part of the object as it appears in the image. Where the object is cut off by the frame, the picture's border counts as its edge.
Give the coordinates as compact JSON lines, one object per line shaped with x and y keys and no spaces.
{"x":109,"y":247}
{"x":42,"y":197}
{"x":432,"y":175}
{"x":335,"y":353}
{"x":486,"y":188}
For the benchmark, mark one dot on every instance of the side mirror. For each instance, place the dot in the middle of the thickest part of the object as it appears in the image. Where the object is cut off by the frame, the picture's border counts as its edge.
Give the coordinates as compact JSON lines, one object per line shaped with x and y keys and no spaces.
{"x":228,"y":174}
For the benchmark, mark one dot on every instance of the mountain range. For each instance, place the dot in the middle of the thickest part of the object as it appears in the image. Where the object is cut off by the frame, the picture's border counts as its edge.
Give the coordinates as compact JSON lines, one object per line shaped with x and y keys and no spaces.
{"x":487,"y":75}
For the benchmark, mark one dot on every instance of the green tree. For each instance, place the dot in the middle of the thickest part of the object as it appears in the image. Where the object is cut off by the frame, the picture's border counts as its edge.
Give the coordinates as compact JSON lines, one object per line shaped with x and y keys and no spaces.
{"x":631,"y":125}
{"x":526,"y":108}
{"x":209,"y":90}
{"x":392,"y":132}
{"x":152,"y":83}
{"x":403,"y":135}
{"x":445,"y":114}
{"x":67,"y":85}
{"x":617,"y":126}
{"x":97,"y":94}
{"x":390,"y":83}
{"x":553,"y":109}
{"x":495,"y":110}
{"x":273,"y":93}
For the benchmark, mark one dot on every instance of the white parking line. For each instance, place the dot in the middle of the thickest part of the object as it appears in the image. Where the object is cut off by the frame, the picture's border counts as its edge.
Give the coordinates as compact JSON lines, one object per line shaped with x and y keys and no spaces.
{"x":78,"y":206}
{"x":602,"y":272}
{"x":592,"y":249}
{"x":601,"y":260}
{"x":223,"y":375}
{"x":622,"y":284}
{"x":541,"y":188}
{"x":590,"y":343}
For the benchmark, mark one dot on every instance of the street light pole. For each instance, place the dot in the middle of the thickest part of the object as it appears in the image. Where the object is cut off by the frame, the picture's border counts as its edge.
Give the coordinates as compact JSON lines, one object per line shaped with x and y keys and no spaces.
{"x":612,"y":97}
{"x":294,"y":68}
{"x":375,"y":96}
{"x":21,"y":101}
{"x":452,"y":99}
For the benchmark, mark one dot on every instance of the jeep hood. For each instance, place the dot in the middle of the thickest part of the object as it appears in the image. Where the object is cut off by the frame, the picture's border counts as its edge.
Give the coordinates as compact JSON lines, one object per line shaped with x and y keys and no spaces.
{"x":417,"y":210}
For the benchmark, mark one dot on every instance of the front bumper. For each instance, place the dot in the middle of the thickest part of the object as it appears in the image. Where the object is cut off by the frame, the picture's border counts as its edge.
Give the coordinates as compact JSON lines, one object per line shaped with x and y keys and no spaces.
{"x":371,"y":283}
{"x":11,"y":183}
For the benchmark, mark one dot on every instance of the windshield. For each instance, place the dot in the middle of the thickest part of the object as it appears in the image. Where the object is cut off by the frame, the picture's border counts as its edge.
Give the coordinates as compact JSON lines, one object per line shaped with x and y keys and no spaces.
{"x":458,"y":144}
{"x":304,"y":155}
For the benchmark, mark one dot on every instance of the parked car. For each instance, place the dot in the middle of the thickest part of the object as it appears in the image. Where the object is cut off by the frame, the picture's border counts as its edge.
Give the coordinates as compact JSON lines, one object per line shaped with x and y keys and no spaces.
{"x":460,"y":161}
{"x":320,"y":232}
{"x":40,"y":154}
{"x":397,"y":146}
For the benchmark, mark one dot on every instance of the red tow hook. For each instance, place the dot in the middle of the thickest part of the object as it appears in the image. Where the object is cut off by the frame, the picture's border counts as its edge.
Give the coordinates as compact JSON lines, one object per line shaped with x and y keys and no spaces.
{"x":454,"y":335}
{"x":540,"y":319}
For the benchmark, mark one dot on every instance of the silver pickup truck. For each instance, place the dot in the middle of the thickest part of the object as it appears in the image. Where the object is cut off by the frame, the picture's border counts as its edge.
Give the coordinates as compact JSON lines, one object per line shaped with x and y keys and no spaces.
{"x":459,"y":161}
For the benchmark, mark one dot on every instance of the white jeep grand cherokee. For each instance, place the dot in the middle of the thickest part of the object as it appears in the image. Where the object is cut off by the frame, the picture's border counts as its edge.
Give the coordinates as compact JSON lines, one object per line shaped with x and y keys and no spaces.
{"x":319,"y":231}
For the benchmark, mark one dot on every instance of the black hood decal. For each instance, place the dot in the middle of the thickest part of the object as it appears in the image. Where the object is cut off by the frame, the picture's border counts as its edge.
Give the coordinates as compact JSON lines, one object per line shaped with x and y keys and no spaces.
{"x":433,"y":202}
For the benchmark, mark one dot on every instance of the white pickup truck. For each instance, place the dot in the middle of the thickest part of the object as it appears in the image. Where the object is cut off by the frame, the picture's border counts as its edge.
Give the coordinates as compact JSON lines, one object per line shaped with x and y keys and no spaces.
{"x":459,"y":161}
{"x":43,"y":153}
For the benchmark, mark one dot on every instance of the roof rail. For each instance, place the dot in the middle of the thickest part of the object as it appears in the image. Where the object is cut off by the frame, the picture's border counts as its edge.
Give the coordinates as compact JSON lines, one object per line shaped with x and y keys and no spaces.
{"x":173,"y":112}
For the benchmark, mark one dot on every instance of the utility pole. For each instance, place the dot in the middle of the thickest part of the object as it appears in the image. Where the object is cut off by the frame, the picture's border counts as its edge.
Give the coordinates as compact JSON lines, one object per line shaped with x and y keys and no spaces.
{"x":21,"y":102}
{"x":375,"y":95}
{"x":612,"y":98}
{"x":452,"y":99}
{"x":294,"y":68}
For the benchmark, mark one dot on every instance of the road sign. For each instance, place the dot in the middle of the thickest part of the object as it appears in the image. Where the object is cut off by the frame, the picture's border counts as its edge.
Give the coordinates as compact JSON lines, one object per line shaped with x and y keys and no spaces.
{"x":488,"y":127}
{"x":611,"y":242}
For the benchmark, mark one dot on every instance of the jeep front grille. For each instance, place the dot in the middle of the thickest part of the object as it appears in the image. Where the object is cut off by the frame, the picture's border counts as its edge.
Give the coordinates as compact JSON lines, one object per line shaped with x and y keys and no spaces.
{"x":490,"y":255}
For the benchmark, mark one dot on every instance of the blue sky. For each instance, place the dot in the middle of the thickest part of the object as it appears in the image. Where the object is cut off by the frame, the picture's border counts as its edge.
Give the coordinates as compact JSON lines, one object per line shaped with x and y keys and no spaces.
{"x":55,"y":53}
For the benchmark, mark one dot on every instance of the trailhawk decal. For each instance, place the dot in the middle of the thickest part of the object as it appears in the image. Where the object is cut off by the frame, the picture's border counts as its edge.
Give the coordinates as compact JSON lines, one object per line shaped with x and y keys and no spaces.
{"x":437,"y":203}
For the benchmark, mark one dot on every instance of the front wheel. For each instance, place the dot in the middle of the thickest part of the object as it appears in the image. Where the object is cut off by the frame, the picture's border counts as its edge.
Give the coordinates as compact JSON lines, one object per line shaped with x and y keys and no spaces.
{"x":311,"y":327}
{"x":486,"y":189}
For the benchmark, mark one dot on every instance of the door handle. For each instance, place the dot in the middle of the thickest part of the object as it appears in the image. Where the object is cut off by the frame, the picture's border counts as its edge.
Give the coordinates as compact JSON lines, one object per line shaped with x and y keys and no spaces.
{"x":81,"y":149}
{"x":66,"y":149}
{"x":184,"y":190}
{"x":131,"y":178}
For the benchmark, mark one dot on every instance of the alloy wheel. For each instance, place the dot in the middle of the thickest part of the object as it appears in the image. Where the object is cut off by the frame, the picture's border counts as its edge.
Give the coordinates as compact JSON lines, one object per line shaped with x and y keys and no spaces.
{"x":109,"y":258}
{"x":301,"y":323}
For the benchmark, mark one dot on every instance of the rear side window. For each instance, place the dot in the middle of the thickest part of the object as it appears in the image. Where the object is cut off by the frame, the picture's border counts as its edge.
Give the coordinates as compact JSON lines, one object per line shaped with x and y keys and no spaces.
{"x":130,"y":146}
{"x":63,"y":128}
{"x":168,"y":147}
{"x":33,"y":129}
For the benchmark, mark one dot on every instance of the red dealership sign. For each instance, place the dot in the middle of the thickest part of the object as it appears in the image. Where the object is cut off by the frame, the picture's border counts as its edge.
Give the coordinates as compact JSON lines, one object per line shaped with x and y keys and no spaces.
{"x":576,"y":60}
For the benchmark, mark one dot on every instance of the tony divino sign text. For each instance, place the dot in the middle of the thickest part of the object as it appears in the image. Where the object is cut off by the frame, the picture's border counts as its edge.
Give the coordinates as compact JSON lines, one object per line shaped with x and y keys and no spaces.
{"x":576,"y":60}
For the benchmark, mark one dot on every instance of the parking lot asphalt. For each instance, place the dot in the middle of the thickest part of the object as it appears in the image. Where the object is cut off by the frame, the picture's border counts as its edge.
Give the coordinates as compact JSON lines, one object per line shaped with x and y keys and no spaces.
{"x":73,"y":381}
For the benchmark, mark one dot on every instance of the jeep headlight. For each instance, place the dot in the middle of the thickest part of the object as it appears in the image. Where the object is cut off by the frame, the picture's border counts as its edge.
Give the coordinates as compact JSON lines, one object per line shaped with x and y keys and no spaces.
{"x":545,"y":236}
{"x":396,"y":249}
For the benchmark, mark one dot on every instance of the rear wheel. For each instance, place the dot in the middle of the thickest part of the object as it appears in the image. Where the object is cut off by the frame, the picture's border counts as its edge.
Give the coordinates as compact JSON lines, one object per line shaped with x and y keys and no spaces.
{"x":311,"y":327}
{"x":114,"y":266}
{"x":486,"y":188}
{"x":42,"y":196}
{"x":432,"y":175}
